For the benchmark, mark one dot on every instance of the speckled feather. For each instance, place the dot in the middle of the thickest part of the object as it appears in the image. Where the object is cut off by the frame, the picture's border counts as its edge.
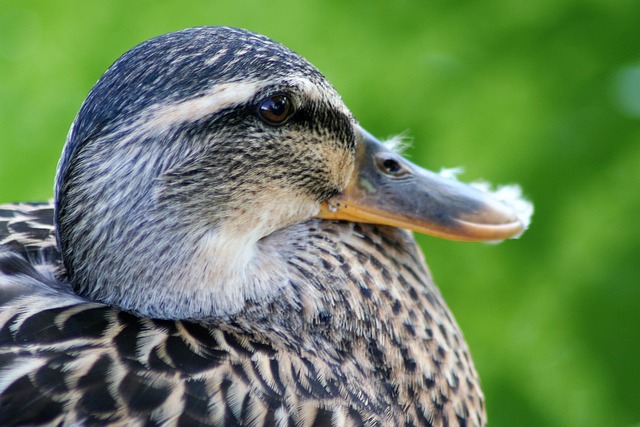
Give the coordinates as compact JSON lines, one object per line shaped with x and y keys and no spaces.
{"x":386,"y":350}
{"x":188,"y":285}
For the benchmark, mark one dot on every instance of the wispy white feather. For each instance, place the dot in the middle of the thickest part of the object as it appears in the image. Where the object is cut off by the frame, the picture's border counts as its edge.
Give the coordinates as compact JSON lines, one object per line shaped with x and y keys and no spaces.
{"x":398,"y":143}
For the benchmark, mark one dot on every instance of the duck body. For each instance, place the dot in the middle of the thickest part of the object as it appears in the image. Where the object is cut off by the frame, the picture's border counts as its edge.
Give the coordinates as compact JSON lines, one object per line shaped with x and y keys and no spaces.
{"x":223,"y":249}
{"x":380,"y":353}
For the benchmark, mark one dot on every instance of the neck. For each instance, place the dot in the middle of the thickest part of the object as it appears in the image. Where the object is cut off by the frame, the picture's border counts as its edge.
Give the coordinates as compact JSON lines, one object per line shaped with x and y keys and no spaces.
{"x":161,"y":261}
{"x":208,"y":277}
{"x":212,"y":275}
{"x":227,"y":271}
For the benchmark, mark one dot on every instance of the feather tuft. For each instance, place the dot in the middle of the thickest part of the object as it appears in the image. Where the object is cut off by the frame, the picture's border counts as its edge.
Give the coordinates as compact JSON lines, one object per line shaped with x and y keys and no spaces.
{"x":398,"y":143}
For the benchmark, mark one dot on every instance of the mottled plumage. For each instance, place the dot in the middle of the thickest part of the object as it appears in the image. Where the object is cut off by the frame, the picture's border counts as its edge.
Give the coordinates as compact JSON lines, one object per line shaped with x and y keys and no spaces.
{"x":195,"y":279}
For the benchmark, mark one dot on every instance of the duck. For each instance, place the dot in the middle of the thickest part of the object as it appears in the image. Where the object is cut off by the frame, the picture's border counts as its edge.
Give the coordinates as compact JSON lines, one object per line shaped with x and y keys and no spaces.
{"x":228,"y":246}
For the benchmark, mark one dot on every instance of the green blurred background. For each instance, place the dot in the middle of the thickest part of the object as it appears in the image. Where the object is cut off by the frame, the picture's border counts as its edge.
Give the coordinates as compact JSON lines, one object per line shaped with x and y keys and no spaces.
{"x":546,"y":94}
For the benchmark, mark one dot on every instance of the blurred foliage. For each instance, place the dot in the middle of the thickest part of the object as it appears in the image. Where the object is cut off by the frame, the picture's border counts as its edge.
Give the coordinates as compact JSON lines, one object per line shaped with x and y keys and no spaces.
{"x":542,"y":93}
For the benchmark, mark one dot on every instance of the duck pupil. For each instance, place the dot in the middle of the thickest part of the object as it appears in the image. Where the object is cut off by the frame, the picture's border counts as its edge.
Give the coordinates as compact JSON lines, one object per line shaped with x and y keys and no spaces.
{"x":275,"y":109}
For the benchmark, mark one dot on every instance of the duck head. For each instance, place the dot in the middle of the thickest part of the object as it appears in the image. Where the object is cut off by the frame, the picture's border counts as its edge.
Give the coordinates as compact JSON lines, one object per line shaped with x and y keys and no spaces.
{"x":195,"y":153}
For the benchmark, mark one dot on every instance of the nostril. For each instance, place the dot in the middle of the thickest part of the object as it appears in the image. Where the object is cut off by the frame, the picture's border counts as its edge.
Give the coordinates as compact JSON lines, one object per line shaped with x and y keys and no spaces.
{"x":392,"y":167}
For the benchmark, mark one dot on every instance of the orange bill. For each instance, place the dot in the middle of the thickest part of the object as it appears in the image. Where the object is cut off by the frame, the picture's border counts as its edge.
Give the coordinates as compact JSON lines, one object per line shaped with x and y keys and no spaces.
{"x":387,"y":189}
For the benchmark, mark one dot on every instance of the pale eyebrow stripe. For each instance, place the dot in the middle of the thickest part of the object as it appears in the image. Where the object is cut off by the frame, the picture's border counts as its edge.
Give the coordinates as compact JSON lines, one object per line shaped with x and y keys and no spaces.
{"x":159,"y":118}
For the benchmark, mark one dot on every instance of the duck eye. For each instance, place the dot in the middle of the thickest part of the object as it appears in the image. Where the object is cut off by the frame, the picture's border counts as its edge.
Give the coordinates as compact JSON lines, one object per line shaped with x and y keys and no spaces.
{"x":392,"y":167}
{"x":276,"y":109}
